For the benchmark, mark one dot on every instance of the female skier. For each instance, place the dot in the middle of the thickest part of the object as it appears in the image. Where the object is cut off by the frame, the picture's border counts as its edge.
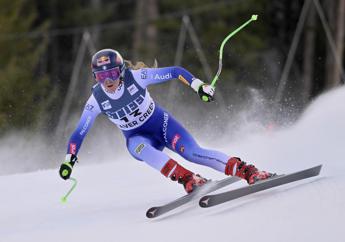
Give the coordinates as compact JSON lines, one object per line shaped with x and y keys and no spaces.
{"x":121,"y":94}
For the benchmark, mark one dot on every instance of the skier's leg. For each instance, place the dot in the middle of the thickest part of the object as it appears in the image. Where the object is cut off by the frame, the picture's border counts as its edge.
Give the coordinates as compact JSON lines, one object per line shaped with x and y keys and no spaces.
{"x":181,"y":141}
{"x":184,"y":144}
{"x":145,"y":149}
{"x":149,"y":151}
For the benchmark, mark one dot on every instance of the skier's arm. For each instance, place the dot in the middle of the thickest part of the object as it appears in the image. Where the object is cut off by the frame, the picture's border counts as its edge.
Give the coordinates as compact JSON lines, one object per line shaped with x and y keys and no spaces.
{"x":91,"y":111}
{"x":147,"y":76}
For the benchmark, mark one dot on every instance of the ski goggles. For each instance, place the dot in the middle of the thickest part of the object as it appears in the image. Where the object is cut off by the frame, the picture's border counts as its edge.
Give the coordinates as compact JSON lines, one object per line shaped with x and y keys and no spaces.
{"x":112,"y":74}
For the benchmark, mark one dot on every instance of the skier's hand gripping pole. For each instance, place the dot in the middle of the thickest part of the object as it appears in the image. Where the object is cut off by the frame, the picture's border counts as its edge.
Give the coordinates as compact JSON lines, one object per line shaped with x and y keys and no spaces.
{"x":205,"y":98}
{"x":203,"y":89}
{"x":66,"y":171}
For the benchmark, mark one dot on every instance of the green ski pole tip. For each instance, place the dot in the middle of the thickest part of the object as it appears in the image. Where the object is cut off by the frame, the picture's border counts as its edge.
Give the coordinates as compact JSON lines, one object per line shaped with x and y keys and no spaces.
{"x":205,"y":98}
{"x":254,"y":17}
{"x":63,"y":200}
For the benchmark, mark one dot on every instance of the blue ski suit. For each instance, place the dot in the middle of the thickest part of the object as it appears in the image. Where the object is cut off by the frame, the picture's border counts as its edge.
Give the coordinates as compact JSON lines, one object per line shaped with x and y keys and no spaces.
{"x":147,"y":127}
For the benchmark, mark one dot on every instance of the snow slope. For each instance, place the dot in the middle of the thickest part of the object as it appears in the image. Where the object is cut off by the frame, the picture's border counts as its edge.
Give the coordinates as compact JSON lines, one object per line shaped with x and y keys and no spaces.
{"x":110,"y":200}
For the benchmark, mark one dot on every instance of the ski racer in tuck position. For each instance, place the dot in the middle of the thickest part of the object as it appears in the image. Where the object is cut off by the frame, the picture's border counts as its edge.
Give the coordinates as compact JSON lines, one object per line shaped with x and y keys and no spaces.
{"x":121,"y":94}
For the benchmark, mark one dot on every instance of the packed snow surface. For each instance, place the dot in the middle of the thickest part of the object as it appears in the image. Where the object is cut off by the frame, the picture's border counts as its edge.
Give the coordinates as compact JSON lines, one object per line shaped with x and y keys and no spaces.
{"x":111,"y":199}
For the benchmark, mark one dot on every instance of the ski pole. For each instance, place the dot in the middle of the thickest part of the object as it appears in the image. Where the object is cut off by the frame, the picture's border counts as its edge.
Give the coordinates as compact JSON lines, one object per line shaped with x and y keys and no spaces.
{"x":253,"y":18}
{"x":64,"y":198}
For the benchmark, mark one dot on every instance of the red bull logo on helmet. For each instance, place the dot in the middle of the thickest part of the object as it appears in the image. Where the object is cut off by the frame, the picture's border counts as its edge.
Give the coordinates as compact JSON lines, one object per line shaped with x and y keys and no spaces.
{"x":103,"y":60}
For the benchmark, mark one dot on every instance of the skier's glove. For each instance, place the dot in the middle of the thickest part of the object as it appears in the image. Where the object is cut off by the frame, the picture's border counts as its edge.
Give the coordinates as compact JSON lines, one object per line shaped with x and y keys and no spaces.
{"x":67,"y":166}
{"x":204,"y":91}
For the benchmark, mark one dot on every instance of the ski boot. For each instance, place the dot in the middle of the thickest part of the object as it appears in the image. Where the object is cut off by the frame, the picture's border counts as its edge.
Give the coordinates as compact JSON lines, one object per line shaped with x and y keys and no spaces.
{"x":188,"y":179}
{"x":236,"y":167}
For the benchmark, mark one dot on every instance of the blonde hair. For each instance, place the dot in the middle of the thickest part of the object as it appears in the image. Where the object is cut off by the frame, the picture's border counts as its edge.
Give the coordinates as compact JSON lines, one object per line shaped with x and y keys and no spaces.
{"x":140,"y":65}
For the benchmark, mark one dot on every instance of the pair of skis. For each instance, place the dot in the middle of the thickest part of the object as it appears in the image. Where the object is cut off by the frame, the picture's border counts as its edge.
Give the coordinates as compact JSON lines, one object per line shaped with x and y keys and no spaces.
{"x":216,"y":199}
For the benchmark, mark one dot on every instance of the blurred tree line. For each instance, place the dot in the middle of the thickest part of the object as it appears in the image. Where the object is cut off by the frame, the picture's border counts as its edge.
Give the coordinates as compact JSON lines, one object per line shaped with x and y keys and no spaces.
{"x":39,"y":41}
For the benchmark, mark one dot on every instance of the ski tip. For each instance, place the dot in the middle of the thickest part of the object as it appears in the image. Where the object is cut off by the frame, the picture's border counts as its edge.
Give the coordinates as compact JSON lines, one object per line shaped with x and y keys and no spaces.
{"x":152,"y":212}
{"x":318,"y":169}
{"x":204,"y":202}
